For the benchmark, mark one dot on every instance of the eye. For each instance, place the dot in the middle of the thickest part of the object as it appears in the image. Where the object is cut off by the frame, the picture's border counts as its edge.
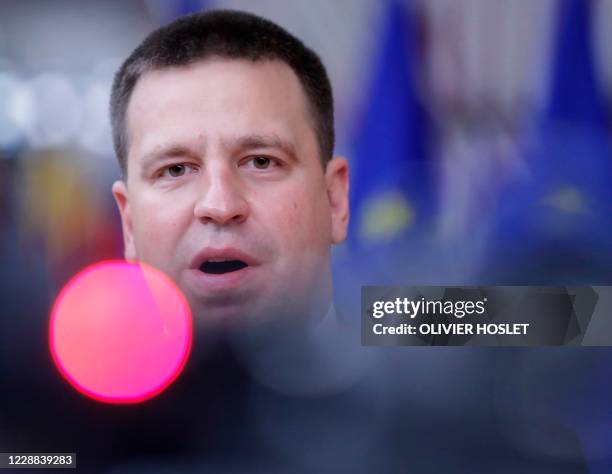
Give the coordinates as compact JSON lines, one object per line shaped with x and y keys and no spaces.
{"x":176,"y":170}
{"x":261,"y":162}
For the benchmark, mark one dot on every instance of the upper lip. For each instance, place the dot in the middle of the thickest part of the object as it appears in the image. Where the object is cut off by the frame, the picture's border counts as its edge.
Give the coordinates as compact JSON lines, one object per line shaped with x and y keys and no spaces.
{"x":227,"y":253}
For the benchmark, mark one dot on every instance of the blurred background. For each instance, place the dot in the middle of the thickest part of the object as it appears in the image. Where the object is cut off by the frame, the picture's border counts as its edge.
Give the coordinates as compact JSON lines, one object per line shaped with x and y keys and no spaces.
{"x":478,"y":132}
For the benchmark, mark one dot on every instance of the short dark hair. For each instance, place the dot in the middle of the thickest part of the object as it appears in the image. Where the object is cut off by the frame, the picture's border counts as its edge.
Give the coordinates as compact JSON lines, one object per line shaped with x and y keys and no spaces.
{"x":230,"y":34}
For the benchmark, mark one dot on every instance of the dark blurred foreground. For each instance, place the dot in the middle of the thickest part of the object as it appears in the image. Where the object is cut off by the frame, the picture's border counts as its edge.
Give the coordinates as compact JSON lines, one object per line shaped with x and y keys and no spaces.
{"x":317,"y":401}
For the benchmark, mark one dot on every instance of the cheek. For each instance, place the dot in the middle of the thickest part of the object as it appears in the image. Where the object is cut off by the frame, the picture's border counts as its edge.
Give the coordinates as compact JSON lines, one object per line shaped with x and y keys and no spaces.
{"x":158,"y":227}
{"x":305,"y":222}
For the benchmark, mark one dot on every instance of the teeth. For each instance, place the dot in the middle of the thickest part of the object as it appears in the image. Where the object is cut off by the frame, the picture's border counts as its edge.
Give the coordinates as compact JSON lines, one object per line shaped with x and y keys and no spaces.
{"x":215,"y":260}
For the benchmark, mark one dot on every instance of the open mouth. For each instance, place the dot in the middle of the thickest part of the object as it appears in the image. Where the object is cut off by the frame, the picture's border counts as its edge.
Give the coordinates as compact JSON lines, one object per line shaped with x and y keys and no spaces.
{"x":219,"y":266}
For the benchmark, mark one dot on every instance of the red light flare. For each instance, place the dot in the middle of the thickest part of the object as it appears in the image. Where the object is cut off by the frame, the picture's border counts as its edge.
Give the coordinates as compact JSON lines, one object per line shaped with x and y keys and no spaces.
{"x":120,"y":332}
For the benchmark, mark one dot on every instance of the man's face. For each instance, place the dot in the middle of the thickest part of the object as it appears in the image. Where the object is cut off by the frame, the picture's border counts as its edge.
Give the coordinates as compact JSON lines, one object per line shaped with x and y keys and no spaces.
{"x":225,"y":190}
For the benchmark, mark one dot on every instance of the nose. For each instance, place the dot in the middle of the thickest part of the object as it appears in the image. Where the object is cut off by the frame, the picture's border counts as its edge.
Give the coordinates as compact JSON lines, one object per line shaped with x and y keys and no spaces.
{"x":221,"y":201}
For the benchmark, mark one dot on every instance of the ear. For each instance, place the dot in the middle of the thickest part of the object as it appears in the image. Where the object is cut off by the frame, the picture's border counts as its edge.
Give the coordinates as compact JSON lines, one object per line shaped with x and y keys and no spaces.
{"x":121,"y":198}
{"x":337,"y":182}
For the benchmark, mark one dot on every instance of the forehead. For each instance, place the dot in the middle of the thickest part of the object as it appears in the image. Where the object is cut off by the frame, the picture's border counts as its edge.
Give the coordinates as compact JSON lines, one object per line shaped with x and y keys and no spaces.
{"x":217,"y":99}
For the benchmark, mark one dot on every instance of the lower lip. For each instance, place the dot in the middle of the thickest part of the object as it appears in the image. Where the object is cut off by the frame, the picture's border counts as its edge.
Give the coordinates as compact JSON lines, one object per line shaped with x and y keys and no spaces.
{"x":219,"y":282}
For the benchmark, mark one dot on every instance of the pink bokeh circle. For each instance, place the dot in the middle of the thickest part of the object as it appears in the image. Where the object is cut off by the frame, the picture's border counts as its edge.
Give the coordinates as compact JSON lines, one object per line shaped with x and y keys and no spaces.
{"x":120,"y":332}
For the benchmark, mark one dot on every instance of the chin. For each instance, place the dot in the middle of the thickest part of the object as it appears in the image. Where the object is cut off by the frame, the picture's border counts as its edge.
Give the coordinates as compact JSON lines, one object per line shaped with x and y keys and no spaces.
{"x":233,"y":315}
{"x":230,"y":313}
{"x":217,"y":315}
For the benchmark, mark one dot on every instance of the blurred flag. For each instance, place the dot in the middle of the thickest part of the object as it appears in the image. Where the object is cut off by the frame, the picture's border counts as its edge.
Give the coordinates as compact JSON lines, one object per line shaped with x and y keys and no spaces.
{"x":391,"y":189}
{"x":185,"y":7}
{"x":555,"y":222}
{"x":391,"y":195}
{"x":164,"y":11}
{"x":576,"y":95}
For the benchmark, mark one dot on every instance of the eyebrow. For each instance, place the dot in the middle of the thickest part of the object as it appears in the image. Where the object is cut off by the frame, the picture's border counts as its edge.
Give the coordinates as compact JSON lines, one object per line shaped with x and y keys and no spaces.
{"x":263,"y":141}
{"x":171,"y":150}
{"x":240,"y":143}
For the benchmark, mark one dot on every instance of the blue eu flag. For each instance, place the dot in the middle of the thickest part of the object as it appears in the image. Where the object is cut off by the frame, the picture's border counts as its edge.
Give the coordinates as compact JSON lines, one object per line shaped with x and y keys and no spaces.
{"x":555,"y":222}
{"x":391,"y":185}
